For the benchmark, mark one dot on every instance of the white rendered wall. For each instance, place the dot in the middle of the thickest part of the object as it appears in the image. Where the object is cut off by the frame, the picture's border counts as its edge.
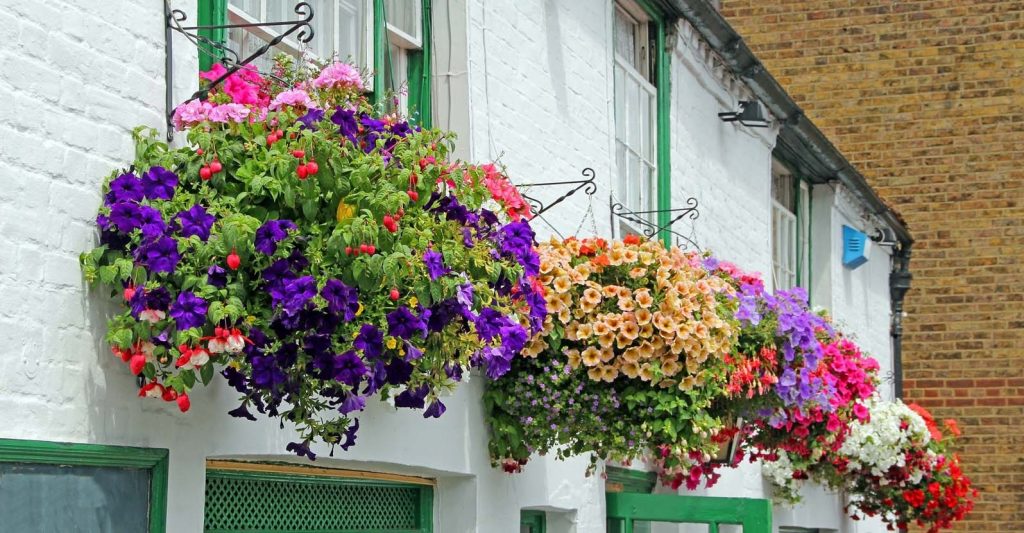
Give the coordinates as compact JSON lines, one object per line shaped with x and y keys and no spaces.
{"x":537,"y":91}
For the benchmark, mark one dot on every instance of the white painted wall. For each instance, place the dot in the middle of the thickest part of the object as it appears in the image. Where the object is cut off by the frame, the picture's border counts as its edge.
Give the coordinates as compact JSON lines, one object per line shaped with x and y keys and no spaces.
{"x":529,"y":84}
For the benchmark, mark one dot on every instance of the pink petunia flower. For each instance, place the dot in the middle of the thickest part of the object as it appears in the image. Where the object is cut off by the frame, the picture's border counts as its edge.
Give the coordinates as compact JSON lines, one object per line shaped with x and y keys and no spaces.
{"x":339,"y":75}
{"x":291,"y":97}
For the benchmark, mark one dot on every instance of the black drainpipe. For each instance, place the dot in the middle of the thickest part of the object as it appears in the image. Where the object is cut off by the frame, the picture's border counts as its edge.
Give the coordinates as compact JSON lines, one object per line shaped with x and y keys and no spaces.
{"x":899,"y":283}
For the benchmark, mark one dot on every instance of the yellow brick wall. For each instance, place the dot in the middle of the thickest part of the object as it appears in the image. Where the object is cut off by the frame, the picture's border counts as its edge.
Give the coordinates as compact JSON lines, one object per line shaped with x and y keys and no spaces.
{"x":926,"y":98}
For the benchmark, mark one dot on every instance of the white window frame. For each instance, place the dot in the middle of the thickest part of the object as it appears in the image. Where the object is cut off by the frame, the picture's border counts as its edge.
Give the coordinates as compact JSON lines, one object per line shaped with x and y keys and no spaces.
{"x":790,"y":243}
{"x":642,"y":199}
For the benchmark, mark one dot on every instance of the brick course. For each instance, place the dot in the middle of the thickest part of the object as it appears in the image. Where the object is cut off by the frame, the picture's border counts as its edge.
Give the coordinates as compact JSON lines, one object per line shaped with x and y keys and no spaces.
{"x":926,"y":98}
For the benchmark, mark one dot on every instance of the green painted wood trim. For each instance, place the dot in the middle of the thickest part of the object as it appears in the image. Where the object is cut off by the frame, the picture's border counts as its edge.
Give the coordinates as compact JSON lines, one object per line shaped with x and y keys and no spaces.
{"x":426,"y":493}
{"x":211,"y":12}
{"x":535,"y":520}
{"x":755,"y":515}
{"x":72,"y":454}
{"x":380,"y":50}
{"x":632,"y":480}
{"x":663,"y":84}
{"x":420,"y":102}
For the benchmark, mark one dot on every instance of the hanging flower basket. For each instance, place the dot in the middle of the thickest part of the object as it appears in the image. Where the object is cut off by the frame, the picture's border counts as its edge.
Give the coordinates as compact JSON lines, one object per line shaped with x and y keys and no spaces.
{"x":316,"y":253}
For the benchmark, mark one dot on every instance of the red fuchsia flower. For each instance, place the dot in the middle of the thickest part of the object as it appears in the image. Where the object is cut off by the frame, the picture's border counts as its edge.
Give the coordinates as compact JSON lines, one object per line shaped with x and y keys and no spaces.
{"x":226,"y":340}
{"x":129,"y":292}
{"x":169,"y":394}
{"x":151,"y":390}
{"x":152,"y":315}
{"x":183,"y":402}
{"x":191,"y":358}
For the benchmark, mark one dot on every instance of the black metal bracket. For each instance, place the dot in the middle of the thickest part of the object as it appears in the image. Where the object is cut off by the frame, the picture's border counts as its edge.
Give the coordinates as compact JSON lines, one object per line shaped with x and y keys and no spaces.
{"x":588,"y":186}
{"x":652,"y":230}
{"x":231,"y":60}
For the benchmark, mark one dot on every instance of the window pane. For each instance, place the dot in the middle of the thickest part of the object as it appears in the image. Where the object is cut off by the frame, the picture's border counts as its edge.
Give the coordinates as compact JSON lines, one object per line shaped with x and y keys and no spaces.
{"x":323,"y":23}
{"x":625,"y":37}
{"x":352,"y":31}
{"x":621,"y":171}
{"x":251,"y":7}
{"x":38,"y":497}
{"x":633,"y":113}
{"x":404,"y":16}
{"x":650,"y":141}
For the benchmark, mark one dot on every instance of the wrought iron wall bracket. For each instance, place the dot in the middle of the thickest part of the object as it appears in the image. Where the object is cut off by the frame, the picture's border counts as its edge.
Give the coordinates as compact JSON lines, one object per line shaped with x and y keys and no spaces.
{"x":651,"y":230}
{"x":588,"y":186}
{"x":173,"y":19}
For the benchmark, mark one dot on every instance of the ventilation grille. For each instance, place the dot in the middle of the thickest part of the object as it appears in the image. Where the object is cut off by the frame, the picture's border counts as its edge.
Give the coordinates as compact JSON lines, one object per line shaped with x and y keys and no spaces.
{"x":238,"y":503}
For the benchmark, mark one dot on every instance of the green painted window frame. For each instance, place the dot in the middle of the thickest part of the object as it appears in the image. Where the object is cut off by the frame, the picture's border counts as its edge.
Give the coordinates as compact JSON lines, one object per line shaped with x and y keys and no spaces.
{"x":426,"y":492}
{"x":535,"y":520}
{"x":96,"y":455}
{"x":419,"y":71}
{"x":619,"y":479}
{"x":625,"y":508}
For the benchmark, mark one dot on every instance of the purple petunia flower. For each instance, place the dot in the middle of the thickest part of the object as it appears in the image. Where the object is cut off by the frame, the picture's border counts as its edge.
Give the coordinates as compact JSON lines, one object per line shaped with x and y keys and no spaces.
{"x":352,"y":402}
{"x":159,"y":183}
{"x":196,"y":221}
{"x":370,"y":340}
{"x":435,"y":264}
{"x":398,"y":371}
{"x":346,"y":121}
{"x":464,"y":294}
{"x":242,"y":412}
{"x":341,"y":299}
{"x":152,"y":222}
{"x":311,"y":118}
{"x":217,"y":276}
{"x":350,"y":435}
{"x":271,"y":233}
{"x":188,"y":311}
{"x":301,"y":449}
{"x":162,"y":256}
{"x":412,"y":398}
{"x":125,"y":188}
{"x":296,"y":293}
{"x":125,"y":216}
{"x":404,"y":324}
{"x":349,"y":368}
{"x":435,"y":410}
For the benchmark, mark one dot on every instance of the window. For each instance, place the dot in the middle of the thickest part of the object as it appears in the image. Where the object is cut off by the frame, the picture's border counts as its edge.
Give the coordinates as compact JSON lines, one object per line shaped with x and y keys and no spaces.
{"x":532,"y":522}
{"x":790,"y":230}
{"x":636,"y":110}
{"x":99,"y":488}
{"x":390,"y":38}
{"x":245,"y":497}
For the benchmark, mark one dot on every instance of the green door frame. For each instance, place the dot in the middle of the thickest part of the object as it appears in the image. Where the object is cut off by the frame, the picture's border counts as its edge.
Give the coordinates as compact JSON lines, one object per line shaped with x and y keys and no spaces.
{"x":754,"y":515}
{"x":68,"y":454}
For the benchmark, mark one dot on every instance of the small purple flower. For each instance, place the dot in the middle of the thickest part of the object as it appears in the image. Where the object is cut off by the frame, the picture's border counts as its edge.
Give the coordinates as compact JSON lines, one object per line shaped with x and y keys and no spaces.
{"x":297,"y":292}
{"x":271,"y":233}
{"x":370,"y":340}
{"x":352,"y":402}
{"x":350,"y":435}
{"x":196,"y":221}
{"x":346,"y":121}
{"x":159,"y":183}
{"x":412,"y":398}
{"x":435,"y":264}
{"x":341,"y":298}
{"x":349,"y":368}
{"x":242,"y":412}
{"x":125,"y":188}
{"x":464,"y":294}
{"x":404,"y":324}
{"x":188,"y":311}
{"x":125,"y":216}
{"x":217,"y":276}
{"x":311,"y":118}
{"x":152,"y":222}
{"x":435,"y":410}
{"x":162,"y":256}
{"x":301,"y":449}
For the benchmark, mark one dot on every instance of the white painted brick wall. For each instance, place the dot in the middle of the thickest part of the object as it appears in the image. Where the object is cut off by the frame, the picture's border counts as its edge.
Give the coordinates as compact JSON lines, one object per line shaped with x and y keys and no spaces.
{"x":76,"y":79}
